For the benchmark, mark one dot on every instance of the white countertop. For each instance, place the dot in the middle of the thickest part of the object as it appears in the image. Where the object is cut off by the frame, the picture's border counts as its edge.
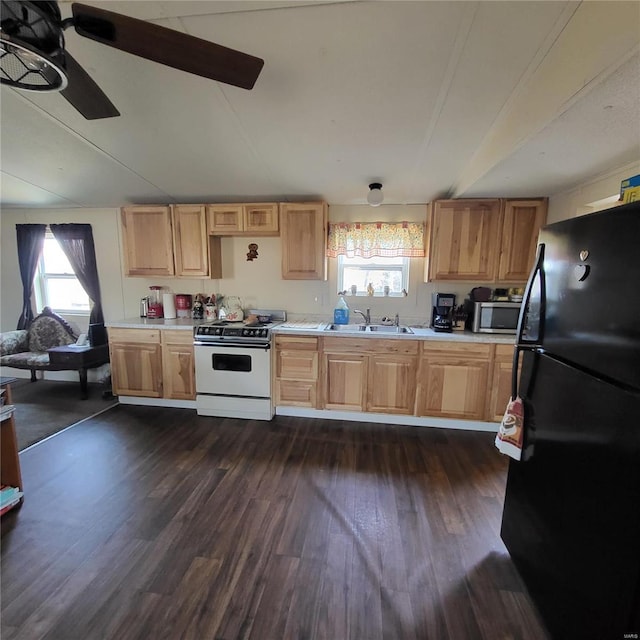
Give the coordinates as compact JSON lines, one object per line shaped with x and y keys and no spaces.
{"x":318,"y":328}
{"x":155,"y":323}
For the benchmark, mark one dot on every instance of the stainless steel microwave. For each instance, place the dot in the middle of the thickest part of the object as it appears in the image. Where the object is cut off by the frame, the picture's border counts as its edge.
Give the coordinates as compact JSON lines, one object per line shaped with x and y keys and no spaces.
{"x":495,"y":317}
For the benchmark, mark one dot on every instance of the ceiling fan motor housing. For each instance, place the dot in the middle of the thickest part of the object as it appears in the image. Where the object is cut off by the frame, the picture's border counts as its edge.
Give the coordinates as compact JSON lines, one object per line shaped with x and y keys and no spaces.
{"x":32,"y":46}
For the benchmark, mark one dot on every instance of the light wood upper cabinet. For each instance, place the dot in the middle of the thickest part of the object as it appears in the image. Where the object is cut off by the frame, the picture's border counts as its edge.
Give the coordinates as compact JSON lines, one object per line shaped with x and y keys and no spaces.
{"x":453,"y":380}
{"x":147,"y":241}
{"x":462,"y":242}
{"x":190,"y":241}
{"x":303,"y":229}
{"x":243,"y":219}
{"x":178,"y":365}
{"x":483,"y":240}
{"x":522,"y":221}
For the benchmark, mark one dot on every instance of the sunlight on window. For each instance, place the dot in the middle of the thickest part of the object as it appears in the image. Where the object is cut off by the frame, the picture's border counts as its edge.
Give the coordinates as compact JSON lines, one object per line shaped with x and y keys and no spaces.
{"x":379,"y":272}
{"x":57,"y":285}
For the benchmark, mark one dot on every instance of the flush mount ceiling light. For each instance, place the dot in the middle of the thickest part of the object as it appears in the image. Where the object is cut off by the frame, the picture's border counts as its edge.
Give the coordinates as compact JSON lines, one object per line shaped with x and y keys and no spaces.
{"x":375,"y":197}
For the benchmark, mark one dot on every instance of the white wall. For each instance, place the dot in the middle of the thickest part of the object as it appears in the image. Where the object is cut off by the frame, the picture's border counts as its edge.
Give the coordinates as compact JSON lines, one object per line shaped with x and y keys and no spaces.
{"x":594,"y":195}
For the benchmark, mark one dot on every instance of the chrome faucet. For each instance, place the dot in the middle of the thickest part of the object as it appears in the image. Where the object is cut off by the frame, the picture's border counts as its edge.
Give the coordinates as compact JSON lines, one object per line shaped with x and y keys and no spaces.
{"x":366,"y":316}
{"x":396,"y":320}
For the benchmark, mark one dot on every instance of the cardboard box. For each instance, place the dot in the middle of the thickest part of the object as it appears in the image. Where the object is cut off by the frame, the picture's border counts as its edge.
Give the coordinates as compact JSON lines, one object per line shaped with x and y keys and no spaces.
{"x":629,"y":183}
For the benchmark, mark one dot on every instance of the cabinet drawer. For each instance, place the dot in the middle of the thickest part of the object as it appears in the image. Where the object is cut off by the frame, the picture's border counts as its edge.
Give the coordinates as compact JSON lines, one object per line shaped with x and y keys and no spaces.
{"x":459,"y":350}
{"x":504,"y":352}
{"x":296,"y":393}
{"x":297,"y":364}
{"x":134,"y":335}
{"x":370,"y":345}
{"x":304,"y":343}
{"x":176,"y":336}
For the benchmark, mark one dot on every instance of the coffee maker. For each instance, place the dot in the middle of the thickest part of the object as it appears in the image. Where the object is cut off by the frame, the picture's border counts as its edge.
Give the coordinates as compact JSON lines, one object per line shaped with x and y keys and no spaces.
{"x":442,"y":314}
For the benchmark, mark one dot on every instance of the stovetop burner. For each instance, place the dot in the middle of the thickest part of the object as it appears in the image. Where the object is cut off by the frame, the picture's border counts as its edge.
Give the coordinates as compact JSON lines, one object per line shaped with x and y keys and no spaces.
{"x":221,"y":330}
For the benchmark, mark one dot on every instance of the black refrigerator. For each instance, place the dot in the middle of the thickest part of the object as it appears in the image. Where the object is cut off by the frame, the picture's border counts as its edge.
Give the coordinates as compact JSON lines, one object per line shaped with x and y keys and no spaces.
{"x":571,"y":519}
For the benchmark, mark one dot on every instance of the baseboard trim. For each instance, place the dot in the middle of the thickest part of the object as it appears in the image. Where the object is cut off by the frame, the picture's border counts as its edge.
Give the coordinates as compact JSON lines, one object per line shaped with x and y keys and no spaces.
{"x":158,"y":402}
{"x":385,"y":418}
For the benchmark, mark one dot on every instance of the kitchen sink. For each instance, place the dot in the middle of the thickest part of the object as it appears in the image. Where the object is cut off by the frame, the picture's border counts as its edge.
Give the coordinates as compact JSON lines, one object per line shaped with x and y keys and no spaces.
{"x":346,"y":327}
{"x":374,"y":328}
{"x":385,"y":328}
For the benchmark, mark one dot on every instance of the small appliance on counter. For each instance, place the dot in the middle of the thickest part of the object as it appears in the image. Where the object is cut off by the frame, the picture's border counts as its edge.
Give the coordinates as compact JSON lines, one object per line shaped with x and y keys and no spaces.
{"x":144,"y":306}
{"x":154,"y":308}
{"x":442,"y":313}
{"x":183,"y":305}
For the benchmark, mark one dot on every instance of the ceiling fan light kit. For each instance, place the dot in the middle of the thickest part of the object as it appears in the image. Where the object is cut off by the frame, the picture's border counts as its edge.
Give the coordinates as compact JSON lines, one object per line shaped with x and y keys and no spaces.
{"x":375,"y":195}
{"x":33,"y":55}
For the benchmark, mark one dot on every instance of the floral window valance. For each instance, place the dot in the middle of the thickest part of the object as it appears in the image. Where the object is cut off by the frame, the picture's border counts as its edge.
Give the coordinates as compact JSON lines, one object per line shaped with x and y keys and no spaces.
{"x":369,"y":239}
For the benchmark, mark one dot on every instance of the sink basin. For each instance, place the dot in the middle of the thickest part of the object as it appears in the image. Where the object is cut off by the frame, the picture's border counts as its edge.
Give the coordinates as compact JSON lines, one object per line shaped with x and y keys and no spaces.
{"x":383,"y":328}
{"x":346,"y":327}
{"x":375,"y":328}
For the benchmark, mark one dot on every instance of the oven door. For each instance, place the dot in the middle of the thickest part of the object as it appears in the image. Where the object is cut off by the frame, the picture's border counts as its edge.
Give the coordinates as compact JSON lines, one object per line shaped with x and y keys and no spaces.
{"x":236,"y":369}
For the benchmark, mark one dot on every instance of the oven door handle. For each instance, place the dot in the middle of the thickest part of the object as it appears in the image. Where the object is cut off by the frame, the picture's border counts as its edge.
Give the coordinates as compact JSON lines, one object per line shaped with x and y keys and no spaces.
{"x":237,"y":345}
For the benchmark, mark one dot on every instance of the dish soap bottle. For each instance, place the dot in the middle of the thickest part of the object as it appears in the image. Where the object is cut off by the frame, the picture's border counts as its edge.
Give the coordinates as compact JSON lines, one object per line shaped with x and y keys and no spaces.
{"x":341,"y":312}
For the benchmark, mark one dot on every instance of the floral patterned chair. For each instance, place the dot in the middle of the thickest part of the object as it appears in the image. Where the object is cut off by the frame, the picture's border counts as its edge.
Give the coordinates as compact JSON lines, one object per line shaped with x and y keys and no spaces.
{"x":27,"y":348}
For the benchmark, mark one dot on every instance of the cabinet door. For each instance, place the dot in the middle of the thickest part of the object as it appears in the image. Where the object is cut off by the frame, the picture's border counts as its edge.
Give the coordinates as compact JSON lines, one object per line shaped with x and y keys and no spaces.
{"x":501,"y":382}
{"x":521,"y":224}
{"x":136,"y":367}
{"x":190,"y":241}
{"x":453,"y":380}
{"x":224,"y":219}
{"x":261,"y":218}
{"x":178,"y":365}
{"x":303,"y":229}
{"x":147,"y":241}
{"x":391,"y":384}
{"x":345,"y":382}
{"x":463,"y":240}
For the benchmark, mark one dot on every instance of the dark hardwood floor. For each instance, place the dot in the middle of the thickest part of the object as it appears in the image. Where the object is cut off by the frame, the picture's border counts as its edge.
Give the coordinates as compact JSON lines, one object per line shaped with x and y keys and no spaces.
{"x":159,"y":524}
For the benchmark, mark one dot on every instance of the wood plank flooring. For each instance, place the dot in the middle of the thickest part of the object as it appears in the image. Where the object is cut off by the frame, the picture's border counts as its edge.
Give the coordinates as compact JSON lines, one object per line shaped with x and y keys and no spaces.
{"x":154,"y":523}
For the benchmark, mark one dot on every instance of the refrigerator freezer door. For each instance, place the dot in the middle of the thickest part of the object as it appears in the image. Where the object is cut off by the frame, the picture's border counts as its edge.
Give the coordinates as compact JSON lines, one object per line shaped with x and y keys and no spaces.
{"x":571,"y":520}
{"x":592,"y":271}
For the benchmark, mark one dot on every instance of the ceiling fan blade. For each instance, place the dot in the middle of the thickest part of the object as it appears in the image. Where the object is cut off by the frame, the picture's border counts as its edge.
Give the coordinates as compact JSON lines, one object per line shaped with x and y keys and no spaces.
{"x":167,"y":46}
{"x":84,"y":94}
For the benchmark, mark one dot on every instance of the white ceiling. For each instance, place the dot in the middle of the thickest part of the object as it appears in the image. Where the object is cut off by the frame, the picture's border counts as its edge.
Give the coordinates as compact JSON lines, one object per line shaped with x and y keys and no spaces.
{"x":429,"y":98}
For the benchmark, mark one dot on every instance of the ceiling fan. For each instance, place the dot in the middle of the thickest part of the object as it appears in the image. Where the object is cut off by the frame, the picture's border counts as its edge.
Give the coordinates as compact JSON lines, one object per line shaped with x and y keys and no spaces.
{"x":33,"y":56}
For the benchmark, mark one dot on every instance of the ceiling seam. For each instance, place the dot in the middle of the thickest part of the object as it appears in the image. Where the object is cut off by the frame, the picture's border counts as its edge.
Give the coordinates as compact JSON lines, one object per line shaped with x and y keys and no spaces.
{"x":236,"y":118}
{"x":6,"y":173}
{"x":90,"y":144}
{"x":542,"y":52}
{"x":462,"y":35}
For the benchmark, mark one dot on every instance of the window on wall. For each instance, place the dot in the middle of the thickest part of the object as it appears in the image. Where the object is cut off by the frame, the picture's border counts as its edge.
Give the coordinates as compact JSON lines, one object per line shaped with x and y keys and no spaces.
{"x":356,"y":274}
{"x":56,"y":283}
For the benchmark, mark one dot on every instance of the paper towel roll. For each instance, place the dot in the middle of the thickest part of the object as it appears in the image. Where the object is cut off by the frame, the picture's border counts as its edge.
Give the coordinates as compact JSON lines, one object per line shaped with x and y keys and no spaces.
{"x":169,"y":304}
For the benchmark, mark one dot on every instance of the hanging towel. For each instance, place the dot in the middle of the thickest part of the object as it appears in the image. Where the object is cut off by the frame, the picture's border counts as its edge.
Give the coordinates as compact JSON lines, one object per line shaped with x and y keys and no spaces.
{"x":510,"y":434}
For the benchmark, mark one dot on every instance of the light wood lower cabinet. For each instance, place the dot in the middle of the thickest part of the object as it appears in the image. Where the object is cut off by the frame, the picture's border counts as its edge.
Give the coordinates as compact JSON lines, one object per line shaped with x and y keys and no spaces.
{"x":453,"y":380}
{"x":345,"y":381}
{"x":374,"y":375}
{"x":178,"y":366}
{"x":296,"y":371}
{"x":501,"y":382}
{"x":136,"y":362}
{"x":151,"y":363}
{"x":391,"y":386}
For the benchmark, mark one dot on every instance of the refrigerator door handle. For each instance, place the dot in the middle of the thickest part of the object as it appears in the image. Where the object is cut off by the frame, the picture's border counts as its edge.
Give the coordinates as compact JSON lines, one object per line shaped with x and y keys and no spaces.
{"x":538,"y":270}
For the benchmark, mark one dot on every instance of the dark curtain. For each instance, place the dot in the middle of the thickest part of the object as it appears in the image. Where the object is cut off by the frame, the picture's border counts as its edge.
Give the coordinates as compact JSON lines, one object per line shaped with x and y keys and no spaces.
{"x":76,"y":241}
{"x":30,"y":244}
